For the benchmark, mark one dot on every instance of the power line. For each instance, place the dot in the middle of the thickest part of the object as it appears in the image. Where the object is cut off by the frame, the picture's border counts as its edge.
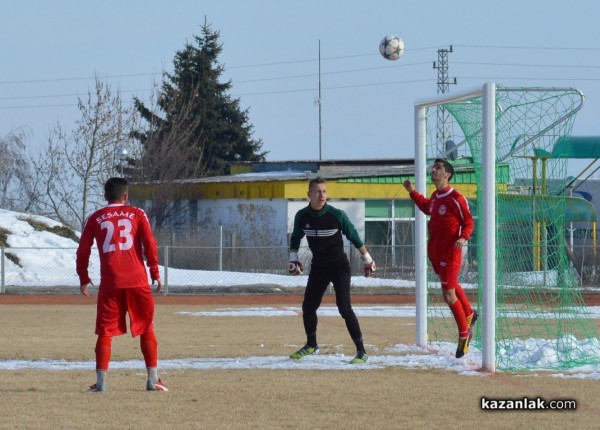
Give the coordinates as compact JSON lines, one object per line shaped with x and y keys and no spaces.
{"x":314,"y":60}
{"x":277,"y":63}
{"x":558,"y":66}
{"x":299,"y":90}
{"x":276,"y":78}
{"x":339,"y":87}
{"x":529,"y":78}
{"x":36,"y":81}
{"x":332,"y":73}
{"x":64,"y":95}
{"x":38,"y":106}
{"x":81,"y":78}
{"x":549,"y":48}
{"x":312,"y":75}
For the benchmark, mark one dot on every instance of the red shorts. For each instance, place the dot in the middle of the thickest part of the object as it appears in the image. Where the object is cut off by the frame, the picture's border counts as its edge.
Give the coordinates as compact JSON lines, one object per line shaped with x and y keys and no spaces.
{"x":448,"y":274}
{"x":446,"y":265}
{"x":113,"y":305}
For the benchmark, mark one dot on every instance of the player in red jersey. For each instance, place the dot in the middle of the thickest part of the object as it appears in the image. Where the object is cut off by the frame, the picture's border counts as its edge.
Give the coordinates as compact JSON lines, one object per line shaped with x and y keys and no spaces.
{"x":124,"y":237}
{"x":450,"y":227}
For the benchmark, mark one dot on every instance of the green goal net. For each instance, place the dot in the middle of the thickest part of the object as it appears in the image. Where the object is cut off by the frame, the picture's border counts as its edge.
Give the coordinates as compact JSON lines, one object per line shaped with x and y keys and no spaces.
{"x":541,"y":317}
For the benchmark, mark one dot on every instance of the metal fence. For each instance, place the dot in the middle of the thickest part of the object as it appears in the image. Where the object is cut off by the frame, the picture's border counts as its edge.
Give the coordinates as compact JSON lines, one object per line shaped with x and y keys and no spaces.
{"x":49,"y":269}
{"x":274,"y":260}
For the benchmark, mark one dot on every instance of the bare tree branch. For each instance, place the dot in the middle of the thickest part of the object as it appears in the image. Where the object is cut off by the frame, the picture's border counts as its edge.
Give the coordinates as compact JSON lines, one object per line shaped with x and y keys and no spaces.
{"x":75,"y":165}
{"x":15,"y":172}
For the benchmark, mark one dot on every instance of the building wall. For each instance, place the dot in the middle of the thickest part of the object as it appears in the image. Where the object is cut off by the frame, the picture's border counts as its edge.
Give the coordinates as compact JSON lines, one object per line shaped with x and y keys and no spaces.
{"x":267,"y":222}
{"x":264,"y":222}
{"x":255,"y":222}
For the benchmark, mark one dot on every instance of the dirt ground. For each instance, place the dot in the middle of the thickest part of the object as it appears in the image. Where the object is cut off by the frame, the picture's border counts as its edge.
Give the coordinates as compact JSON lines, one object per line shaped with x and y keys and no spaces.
{"x":231,"y":299}
{"x":226,"y":299}
{"x":377,"y":398}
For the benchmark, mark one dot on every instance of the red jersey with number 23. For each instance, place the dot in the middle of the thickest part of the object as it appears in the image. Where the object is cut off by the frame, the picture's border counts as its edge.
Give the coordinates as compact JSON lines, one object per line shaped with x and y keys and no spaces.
{"x":123,"y":236}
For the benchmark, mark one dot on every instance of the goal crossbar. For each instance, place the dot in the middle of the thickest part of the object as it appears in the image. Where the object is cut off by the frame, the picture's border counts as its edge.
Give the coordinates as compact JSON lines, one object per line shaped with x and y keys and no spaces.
{"x":488,"y":94}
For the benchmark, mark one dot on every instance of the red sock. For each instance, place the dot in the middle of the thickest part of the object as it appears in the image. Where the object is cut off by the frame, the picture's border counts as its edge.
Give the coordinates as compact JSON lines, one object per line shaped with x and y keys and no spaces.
{"x":103,"y":351}
{"x":459,"y":317}
{"x":149,"y":346}
{"x":463,"y":299}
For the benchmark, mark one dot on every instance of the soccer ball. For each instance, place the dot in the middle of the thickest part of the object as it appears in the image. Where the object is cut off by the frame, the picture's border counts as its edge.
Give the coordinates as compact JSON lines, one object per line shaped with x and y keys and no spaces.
{"x":391,"y":47}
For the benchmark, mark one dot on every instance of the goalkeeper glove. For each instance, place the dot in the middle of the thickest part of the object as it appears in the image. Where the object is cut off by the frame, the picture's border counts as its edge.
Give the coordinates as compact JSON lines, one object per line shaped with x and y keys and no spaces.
{"x":295,"y":267}
{"x":369,"y":264}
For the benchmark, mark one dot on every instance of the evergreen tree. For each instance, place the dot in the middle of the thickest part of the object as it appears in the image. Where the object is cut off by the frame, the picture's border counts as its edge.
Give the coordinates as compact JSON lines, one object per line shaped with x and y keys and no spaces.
{"x":196,"y":128}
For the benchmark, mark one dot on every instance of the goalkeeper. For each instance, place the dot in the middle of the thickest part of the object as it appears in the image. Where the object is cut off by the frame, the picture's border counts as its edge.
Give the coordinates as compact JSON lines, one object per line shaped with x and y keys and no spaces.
{"x":450,"y":227}
{"x":323,"y":226}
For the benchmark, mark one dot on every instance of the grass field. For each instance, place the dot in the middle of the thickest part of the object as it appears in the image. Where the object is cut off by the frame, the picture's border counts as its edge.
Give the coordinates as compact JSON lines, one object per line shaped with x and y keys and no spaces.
{"x":374,"y":398}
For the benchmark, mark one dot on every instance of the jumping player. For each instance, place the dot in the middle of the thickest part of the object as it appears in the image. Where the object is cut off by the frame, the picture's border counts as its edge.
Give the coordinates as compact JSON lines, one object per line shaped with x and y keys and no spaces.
{"x":120,"y":233}
{"x":323,"y":226}
{"x":450,"y":227}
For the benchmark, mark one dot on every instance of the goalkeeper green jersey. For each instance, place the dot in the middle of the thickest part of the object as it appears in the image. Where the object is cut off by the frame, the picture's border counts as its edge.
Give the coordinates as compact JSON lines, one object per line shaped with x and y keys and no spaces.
{"x":323,"y":230}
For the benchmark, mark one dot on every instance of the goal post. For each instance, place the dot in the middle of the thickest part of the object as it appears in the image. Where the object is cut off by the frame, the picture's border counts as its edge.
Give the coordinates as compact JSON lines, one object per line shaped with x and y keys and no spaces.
{"x":488,"y":93}
{"x":488,"y":224}
{"x":504,"y":142}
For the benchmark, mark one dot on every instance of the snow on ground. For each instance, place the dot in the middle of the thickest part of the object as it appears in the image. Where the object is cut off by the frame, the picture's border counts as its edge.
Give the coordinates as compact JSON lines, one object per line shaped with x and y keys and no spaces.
{"x":440,"y":356}
{"x":437,"y":356}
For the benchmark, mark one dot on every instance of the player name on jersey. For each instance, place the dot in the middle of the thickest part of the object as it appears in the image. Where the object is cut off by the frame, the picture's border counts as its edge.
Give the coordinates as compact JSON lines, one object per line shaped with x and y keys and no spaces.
{"x":115,"y":214}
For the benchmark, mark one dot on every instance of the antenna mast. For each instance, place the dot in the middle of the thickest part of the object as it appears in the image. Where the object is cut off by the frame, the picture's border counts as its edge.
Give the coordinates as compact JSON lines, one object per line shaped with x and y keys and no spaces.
{"x":443,"y":86}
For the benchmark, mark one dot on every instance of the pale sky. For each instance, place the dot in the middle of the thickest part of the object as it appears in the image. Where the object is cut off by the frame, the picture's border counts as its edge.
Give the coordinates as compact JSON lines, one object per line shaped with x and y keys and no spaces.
{"x":50,"y":52}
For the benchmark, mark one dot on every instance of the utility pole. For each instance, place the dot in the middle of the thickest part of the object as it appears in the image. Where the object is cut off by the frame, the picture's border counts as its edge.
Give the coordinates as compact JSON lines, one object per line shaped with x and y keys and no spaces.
{"x":319,"y":100}
{"x":443,"y":86}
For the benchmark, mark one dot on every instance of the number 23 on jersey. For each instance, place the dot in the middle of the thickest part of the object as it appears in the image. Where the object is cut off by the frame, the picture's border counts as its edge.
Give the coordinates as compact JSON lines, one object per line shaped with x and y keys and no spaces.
{"x":124,"y":227}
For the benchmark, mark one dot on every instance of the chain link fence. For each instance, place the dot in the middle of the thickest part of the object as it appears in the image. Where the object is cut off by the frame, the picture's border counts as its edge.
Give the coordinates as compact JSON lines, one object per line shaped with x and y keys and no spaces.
{"x":251,"y":269}
{"x":274,"y":260}
{"x":185,"y":268}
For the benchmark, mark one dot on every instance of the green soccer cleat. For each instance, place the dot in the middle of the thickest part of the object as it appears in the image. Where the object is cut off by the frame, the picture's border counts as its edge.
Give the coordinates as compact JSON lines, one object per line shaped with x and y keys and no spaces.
{"x":361,"y":358}
{"x":305,"y":350}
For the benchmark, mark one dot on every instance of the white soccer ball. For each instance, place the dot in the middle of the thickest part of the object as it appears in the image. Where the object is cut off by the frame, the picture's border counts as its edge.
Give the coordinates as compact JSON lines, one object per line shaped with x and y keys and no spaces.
{"x":391,"y":47}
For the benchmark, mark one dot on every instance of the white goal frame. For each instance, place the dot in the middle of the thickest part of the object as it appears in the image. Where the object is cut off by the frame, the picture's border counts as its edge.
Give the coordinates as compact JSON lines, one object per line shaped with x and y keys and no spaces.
{"x":488,"y":214}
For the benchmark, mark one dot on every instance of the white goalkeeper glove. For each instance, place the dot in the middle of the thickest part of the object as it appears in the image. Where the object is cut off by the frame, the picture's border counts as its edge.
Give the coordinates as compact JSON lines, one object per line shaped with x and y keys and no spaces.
{"x":295,"y":267}
{"x":369,"y":264}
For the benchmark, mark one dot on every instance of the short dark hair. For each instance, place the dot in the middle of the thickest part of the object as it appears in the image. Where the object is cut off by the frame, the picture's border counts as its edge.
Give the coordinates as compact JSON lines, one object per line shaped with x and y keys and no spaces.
{"x":115,"y":189}
{"x":315,"y":181}
{"x":447,"y":166}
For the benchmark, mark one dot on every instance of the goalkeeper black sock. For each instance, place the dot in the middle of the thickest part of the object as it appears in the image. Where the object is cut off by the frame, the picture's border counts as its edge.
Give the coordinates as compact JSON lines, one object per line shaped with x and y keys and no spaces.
{"x":359,"y":344}
{"x":311,"y":340}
